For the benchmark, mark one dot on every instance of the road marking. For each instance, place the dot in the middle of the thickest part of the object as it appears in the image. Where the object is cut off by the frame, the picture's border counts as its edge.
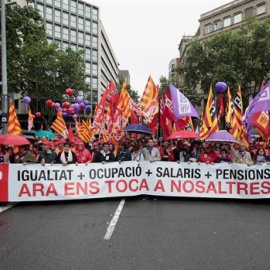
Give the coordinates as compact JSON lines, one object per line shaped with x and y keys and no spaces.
{"x":4,"y":208}
{"x":114,"y":220}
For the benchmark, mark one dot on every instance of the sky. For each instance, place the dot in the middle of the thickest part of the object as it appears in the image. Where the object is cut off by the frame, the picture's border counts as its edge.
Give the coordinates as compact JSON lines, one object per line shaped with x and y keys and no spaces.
{"x":145,"y":34}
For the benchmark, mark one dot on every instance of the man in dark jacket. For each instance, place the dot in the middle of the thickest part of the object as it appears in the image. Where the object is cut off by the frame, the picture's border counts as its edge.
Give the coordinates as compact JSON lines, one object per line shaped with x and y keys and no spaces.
{"x":47,"y":155}
{"x":123,"y":153}
{"x":105,"y":155}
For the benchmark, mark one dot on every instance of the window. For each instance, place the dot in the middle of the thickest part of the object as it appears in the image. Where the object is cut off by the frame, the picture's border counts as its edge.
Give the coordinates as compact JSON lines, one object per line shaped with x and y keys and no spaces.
{"x":49,"y":13}
{"x":57,"y":16}
{"x":65,"y":33}
{"x":57,"y":3}
{"x":87,"y":40}
{"x":249,"y":12}
{"x":94,"y":14}
{"x":73,"y":21}
{"x":81,"y":37}
{"x":87,"y":26}
{"x":95,"y":28}
{"x":73,"y":47}
{"x":40,"y":9}
{"x":65,"y":45}
{"x":65,"y":18}
{"x":57,"y":31}
{"x":49,"y":29}
{"x":87,"y":80}
{"x":80,"y":23}
{"x":66,"y":4}
{"x":94,"y":96}
{"x":49,"y":2}
{"x":94,"y":83}
{"x":87,"y":67}
{"x":208,"y":29}
{"x":237,"y":18}
{"x":94,"y":55}
{"x":49,"y":40}
{"x":94,"y":42}
{"x":227,"y":22}
{"x":94,"y":70}
{"x":81,"y":9}
{"x":217,"y":25}
{"x":88,"y":11}
{"x":87,"y":54}
{"x":261,"y":9}
{"x":73,"y":35}
{"x":73,"y":6}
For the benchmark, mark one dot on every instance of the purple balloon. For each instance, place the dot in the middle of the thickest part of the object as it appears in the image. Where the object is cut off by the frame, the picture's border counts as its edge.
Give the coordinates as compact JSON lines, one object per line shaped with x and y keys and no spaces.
{"x":82,"y":106}
{"x":221,"y":87}
{"x":75,"y":116}
{"x":76,"y":106}
{"x":56,"y":105}
{"x":79,"y":99}
{"x":88,"y":107}
{"x":26,"y":100}
{"x":86,"y":102}
{"x":65,"y":114}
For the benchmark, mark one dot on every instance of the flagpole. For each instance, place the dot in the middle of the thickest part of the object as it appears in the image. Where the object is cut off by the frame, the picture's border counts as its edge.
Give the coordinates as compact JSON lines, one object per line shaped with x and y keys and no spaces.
{"x":4,"y":61}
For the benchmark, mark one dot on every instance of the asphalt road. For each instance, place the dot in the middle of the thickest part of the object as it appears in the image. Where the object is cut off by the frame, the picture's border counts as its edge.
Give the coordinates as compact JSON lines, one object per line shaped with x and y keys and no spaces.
{"x":163,"y":234}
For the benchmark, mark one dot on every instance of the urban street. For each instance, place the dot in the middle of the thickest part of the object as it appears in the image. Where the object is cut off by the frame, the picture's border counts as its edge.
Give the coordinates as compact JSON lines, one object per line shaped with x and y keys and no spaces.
{"x":136,"y":233}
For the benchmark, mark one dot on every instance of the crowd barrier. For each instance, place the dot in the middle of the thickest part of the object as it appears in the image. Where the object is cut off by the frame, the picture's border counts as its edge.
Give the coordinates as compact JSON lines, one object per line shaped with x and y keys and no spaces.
{"x":57,"y":182}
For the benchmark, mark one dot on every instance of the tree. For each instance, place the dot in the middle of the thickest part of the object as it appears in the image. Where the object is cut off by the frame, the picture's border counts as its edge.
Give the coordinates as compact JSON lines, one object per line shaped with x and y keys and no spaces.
{"x":238,"y":57}
{"x":36,"y":68}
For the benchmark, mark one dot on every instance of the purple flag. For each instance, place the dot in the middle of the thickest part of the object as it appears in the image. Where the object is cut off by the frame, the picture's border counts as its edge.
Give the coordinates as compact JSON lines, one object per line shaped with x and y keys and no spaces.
{"x":181,"y":105}
{"x":261,"y":102}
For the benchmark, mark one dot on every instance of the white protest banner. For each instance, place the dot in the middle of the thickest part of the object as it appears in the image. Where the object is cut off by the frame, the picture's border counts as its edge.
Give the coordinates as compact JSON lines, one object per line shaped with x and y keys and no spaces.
{"x":57,"y":182}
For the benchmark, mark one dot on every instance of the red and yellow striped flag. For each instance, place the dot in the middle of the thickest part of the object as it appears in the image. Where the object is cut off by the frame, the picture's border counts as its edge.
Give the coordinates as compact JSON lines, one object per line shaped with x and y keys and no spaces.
{"x":14,"y":126}
{"x":59,"y":125}
{"x":149,"y":101}
{"x":209,"y":118}
{"x":230,"y":118}
{"x":85,"y":132}
{"x":239,"y":113}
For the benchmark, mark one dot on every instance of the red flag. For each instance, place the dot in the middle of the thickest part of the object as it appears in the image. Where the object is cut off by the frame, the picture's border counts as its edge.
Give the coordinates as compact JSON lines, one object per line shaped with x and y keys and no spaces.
{"x":261,"y":121}
{"x":165,"y":123}
{"x":154,"y":125}
{"x":168,"y":109}
{"x":133,"y":118}
{"x":70,"y":133}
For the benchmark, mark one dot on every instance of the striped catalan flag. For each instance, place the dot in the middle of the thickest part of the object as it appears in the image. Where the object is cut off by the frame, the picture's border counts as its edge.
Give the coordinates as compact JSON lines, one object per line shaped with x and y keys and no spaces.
{"x":209,"y":118}
{"x":59,"y":125}
{"x":239,"y":113}
{"x":14,"y":126}
{"x":230,"y":118}
{"x":150,"y":93}
{"x":85,"y":132}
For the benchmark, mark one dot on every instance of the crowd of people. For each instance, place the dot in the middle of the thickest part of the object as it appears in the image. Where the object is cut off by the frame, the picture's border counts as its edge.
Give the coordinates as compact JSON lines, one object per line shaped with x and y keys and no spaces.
{"x":66,"y":152}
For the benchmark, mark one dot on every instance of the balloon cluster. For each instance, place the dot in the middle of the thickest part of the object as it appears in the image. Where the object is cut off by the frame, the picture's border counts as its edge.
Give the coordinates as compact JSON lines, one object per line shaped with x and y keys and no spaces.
{"x":27,"y":100}
{"x":68,"y":108}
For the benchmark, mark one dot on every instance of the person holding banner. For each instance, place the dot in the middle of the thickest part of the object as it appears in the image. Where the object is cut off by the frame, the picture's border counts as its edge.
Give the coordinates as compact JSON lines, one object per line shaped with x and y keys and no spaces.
{"x":260,"y":156}
{"x":82,"y":154}
{"x":150,"y":152}
{"x":123,"y":153}
{"x":241,"y":155}
{"x":47,"y":155}
{"x":208,"y":155}
{"x":66,"y":156}
{"x":25,"y":156}
{"x":105,"y":155}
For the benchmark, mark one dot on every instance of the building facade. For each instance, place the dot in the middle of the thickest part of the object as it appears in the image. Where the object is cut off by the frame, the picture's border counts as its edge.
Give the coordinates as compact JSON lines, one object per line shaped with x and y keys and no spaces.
{"x":76,"y":24}
{"x":229,"y":17}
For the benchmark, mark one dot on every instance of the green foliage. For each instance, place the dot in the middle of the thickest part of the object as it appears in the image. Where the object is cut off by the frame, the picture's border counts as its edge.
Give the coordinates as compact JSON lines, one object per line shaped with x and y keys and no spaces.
{"x":34,"y":67}
{"x":238,"y":57}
